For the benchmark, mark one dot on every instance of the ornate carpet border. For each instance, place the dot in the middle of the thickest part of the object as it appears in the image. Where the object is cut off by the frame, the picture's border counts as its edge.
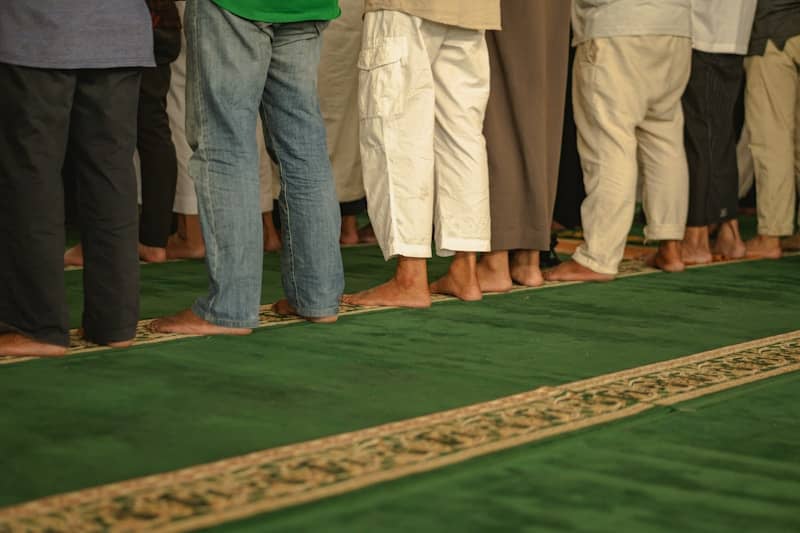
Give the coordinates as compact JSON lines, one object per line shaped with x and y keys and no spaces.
{"x":267,"y":318}
{"x":239,"y":487}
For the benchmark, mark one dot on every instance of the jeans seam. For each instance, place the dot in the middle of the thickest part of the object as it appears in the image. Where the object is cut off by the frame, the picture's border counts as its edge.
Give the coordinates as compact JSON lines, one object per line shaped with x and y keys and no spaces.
{"x":288,"y":225}
{"x":202,"y":108}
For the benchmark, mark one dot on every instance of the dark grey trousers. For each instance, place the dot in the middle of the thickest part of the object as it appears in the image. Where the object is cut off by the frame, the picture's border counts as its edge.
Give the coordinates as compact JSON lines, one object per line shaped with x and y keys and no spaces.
{"x":709,"y":106}
{"x":90,"y":115}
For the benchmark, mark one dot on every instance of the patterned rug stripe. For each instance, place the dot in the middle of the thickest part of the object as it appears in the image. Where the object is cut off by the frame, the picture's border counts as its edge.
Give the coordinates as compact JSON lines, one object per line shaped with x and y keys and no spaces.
{"x":218,"y":492}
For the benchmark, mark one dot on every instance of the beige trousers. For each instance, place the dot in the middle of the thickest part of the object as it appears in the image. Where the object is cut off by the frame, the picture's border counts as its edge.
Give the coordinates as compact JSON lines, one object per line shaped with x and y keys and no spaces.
{"x":185,"y":197}
{"x":423,"y":89}
{"x":772,"y":107}
{"x":627,"y":99}
{"x":338,"y":98}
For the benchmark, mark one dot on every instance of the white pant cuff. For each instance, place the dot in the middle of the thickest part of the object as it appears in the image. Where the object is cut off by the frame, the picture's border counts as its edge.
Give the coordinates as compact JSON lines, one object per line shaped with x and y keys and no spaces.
{"x":418,"y":251}
{"x":667,"y":232}
{"x":449,"y":246}
{"x":581,"y":258}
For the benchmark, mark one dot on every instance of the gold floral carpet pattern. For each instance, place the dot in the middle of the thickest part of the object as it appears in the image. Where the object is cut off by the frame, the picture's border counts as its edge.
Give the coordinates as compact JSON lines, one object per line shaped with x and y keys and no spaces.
{"x":230,"y":489}
{"x":269,"y":318}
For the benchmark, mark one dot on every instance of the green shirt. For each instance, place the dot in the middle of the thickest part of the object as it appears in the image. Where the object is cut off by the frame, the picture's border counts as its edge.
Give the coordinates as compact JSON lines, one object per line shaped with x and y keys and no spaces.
{"x":282,"y":10}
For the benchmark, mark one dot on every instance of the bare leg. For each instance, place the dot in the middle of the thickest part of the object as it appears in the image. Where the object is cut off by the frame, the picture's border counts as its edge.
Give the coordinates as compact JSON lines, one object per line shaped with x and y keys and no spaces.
{"x":696,"y":247}
{"x":189,"y":243}
{"x":668,"y":257}
{"x":349,"y":235}
{"x":573,"y":271}
{"x":525,"y":268}
{"x":408,"y":287}
{"x":283,"y":307}
{"x":187,"y":323}
{"x":791,"y":244}
{"x":74,"y":256}
{"x":152,"y":254}
{"x":461,"y":279}
{"x":272,"y":239}
{"x":764,"y":247}
{"x":16,"y":345}
{"x":366,"y":235}
{"x":494,"y":272}
{"x":729,"y":243}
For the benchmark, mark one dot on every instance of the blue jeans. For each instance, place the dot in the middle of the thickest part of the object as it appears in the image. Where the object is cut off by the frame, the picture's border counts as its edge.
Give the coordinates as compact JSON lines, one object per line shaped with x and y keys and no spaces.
{"x":237,"y":68}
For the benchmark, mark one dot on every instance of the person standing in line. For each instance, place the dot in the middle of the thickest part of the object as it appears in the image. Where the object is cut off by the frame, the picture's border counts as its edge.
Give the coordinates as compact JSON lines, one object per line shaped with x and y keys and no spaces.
{"x":187,"y":241}
{"x":523,"y":130}
{"x":158,"y":164}
{"x":632,"y":65}
{"x":720,"y":34}
{"x":72,"y":89}
{"x":338,"y":93}
{"x":272,"y":49}
{"x":772,"y":109}
{"x":424,"y":86}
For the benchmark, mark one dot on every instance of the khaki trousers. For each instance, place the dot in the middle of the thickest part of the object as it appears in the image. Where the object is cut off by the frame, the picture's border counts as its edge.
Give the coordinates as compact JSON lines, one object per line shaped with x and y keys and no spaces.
{"x":772,"y":107}
{"x":627,"y":99}
{"x":423,"y":89}
{"x":338,"y":98}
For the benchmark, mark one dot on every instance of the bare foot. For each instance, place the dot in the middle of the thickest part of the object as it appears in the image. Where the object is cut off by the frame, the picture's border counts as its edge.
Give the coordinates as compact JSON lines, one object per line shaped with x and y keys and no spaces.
{"x":668,"y":257}
{"x":408,"y":288}
{"x":525,"y":268}
{"x":180,"y":248}
{"x":152,"y":254}
{"x":283,"y":307}
{"x":188,"y":323}
{"x":573,"y":271}
{"x":696,"y":247}
{"x":366,"y":235}
{"x":349,"y":234}
{"x":764,"y":247}
{"x":16,"y":345}
{"x":729,"y":243}
{"x":461,"y":279}
{"x":494,"y":273}
{"x":74,"y":256}
{"x":272,"y":239}
{"x":791,"y":244}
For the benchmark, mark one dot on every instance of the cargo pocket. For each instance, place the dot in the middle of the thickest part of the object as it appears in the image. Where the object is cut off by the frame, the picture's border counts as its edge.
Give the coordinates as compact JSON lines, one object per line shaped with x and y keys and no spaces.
{"x":383,"y":79}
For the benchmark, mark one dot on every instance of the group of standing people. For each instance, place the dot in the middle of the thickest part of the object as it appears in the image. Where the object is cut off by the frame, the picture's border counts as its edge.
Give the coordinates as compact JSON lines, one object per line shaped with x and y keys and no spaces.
{"x":451,"y":126}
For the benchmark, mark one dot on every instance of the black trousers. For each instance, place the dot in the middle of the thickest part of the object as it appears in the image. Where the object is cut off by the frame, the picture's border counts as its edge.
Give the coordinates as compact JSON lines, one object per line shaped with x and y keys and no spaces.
{"x":159,"y":164}
{"x":90,"y":114}
{"x":709,"y":107}
{"x":570,"y":192}
{"x":356,"y":207}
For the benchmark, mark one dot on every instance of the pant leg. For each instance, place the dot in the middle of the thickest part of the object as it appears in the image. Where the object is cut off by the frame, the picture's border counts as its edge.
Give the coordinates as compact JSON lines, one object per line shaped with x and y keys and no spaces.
{"x":311,"y":261}
{"x":221,"y":129}
{"x":771,"y":106}
{"x":338,"y":93}
{"x":102,"y":142}
{"x":662,"y":155}
{"x":185,"y":196}
{"x":397,"y":110}
{"x":35,"y":107}
{"x":697,"y":102}
{"x":461,"y":79}
{"x":729,"y":79}
{"x":608,"y":105}
{"x":158,"y":159}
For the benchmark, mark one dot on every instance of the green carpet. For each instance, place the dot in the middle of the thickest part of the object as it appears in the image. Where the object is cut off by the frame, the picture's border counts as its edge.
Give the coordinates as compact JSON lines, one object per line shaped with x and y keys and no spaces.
{"x":109,"y":416}
{"x":727,"y":462}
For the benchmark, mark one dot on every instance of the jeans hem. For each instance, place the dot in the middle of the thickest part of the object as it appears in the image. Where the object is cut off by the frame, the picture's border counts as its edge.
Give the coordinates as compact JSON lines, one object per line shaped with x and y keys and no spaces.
{"x":200,"y":310}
